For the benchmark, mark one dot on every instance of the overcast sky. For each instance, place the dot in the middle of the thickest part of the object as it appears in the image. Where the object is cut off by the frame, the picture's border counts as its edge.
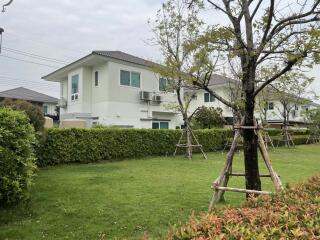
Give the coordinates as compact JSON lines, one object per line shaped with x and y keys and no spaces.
{"x":64,"y":30}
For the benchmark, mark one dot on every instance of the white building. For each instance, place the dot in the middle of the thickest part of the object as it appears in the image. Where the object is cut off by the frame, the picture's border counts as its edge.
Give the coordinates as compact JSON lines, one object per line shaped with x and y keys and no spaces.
{"x":117,"y":89}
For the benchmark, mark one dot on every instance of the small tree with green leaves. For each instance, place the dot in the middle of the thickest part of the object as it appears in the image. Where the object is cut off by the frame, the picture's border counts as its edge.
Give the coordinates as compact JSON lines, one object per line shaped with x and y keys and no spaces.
{"x":33,"y":111}
{"x":209,"y":117}
{"x":175,"y":27}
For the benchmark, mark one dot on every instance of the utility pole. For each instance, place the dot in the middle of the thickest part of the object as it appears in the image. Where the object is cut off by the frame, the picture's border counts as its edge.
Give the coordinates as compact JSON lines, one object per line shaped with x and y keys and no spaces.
{"x":1,"y":29}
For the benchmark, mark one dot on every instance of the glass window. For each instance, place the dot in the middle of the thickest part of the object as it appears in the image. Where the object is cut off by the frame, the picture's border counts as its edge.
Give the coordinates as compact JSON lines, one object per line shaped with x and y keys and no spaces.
{"x":166,"y":85}
{"x":45,"y":109}
{"x":155,"y":125}
{"x":164,"y":125}
{"x":162,"y":84}
{"x":75,"y":84}
{"x":160,"y":125}
{"x":208,"y":97}
{"x":135,"y":79}
{"x":96,"y":78}
{"x":270,"y":105}
{"x":125,"y":78}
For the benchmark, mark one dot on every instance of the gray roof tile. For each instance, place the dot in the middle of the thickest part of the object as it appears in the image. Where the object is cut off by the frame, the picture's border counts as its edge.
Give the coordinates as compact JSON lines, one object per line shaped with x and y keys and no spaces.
{"x":28,"y":95}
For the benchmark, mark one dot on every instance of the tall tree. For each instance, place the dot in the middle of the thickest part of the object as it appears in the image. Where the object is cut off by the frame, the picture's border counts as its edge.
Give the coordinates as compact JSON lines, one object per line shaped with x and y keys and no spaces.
{"x":280,"y":35}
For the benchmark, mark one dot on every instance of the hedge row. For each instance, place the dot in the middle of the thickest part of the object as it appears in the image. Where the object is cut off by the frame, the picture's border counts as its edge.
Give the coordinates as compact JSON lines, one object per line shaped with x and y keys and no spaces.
{"x":293,"y":214}
{"x":59,"y":146}
{"x":90,"y":145}
{"x":277,"y":132}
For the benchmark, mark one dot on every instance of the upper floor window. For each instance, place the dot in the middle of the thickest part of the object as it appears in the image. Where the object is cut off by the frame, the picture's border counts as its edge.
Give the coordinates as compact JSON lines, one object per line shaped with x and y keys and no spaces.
{"x":75,"y":87}
{"x":128,"y":78}
{"x":270,"y":105}
{"x":165,"y":85}
{"x":208,"y":97}
{"x":296,"y":107}
{"x":96,"y":78}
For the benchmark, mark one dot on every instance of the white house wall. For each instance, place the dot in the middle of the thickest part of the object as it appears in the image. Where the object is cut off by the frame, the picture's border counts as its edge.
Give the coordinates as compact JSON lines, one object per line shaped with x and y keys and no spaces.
{"x":199,"y":101}
{"x":113,"y":104}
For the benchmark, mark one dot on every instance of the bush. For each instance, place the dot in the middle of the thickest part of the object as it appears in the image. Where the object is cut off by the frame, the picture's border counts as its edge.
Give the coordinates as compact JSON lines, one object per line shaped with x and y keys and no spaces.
{"x":91,"y":145}
{"x":17,"y":161}
{"x":209,"y":117}
{"x":293,"y":214}
{"x":33,"y":111}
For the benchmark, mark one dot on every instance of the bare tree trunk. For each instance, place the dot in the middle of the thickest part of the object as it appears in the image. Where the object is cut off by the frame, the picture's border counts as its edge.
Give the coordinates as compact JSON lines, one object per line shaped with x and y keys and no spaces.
{"x":189,"y":140}
{"x":250,"y":140}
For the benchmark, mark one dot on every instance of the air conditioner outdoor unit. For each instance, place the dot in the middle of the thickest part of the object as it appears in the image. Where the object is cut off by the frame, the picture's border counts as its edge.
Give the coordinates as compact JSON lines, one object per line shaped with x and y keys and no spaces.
{"x":145,"y":96}
{"x":62,"y":102}
{"x":157,"y":98}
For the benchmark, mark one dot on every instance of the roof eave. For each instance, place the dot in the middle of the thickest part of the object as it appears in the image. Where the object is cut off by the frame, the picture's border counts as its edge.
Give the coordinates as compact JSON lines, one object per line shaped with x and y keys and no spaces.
{"x":50,"y":76}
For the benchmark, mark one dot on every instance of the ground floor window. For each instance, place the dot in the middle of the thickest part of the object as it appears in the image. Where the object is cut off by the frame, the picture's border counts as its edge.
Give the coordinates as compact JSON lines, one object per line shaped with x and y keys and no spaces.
{"x":45,"y":109}
{"x":160,"y":125}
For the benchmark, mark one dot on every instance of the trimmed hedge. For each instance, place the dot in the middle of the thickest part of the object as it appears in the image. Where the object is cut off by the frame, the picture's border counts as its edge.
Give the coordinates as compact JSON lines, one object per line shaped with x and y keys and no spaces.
{"x":59,"y":146}
{"x":277,"y":132}
{"x":292,"y":214}
{"x":90,"y":145}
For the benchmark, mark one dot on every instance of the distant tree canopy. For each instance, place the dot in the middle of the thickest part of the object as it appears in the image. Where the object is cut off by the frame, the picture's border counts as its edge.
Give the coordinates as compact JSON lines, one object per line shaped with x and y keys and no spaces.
{"x":209,"y":117}
{"x":33,"y":111}
{"x":314,"y":116}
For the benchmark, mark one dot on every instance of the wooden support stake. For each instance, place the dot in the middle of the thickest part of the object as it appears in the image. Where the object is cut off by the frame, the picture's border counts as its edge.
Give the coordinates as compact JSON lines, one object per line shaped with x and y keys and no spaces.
{"x":274,"y":177}
{"x":221,"y":179}
{"x":240,"y":190}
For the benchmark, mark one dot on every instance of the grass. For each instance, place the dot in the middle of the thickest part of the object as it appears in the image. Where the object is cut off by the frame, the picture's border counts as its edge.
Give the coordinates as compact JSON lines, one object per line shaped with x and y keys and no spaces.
{"x":121,"y":200}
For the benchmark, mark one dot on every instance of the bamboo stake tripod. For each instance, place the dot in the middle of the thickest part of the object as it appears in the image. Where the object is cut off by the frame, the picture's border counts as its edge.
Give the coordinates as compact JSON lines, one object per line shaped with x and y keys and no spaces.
{"x":220,"y":184}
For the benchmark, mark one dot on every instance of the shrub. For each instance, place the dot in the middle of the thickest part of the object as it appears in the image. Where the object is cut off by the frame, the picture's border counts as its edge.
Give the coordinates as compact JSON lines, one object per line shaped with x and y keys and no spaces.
{"x":33,"y":111}
{"x":293,"y":214}
{"x":209,"y":117}
{"x":17,"y":161}
{"x":91,"y":145}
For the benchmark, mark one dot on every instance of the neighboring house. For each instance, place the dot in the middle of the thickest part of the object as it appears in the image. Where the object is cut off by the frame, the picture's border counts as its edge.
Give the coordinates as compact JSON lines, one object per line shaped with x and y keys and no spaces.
{"x":116,"y":89}
{"x":223,"y":86}
{"x":47,"y":103}
{"x":229,"y":90}
{"x":296,"y":114}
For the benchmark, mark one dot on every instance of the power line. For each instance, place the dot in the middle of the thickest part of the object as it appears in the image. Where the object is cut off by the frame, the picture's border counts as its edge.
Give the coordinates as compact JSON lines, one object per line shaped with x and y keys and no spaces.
{"x":27,"y":61}
{"x":27,"y":80}
{"x":17,"y":36}
{"x":33,"y":55}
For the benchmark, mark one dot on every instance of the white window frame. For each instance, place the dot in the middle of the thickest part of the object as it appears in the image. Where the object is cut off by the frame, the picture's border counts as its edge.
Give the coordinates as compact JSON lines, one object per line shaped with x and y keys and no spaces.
{"x":268,"y":105}
{"x":130,"y":85}
{"x":75,"y":96}
{"x":166,"y":85}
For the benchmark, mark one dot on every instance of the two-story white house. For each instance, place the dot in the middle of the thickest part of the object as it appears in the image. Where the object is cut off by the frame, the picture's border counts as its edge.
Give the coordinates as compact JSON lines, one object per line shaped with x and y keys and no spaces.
{"x":116,"y":89}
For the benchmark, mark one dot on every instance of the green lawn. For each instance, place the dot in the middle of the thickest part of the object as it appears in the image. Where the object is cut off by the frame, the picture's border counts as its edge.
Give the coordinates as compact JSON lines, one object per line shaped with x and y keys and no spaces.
{"x":121,"y":200}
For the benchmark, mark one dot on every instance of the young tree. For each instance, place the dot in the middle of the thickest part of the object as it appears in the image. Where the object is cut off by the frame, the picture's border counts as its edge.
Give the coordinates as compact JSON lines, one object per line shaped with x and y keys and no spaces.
{"x":290,"y":89}
{"x":280,"y":35}
{"x":174,"y":28}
